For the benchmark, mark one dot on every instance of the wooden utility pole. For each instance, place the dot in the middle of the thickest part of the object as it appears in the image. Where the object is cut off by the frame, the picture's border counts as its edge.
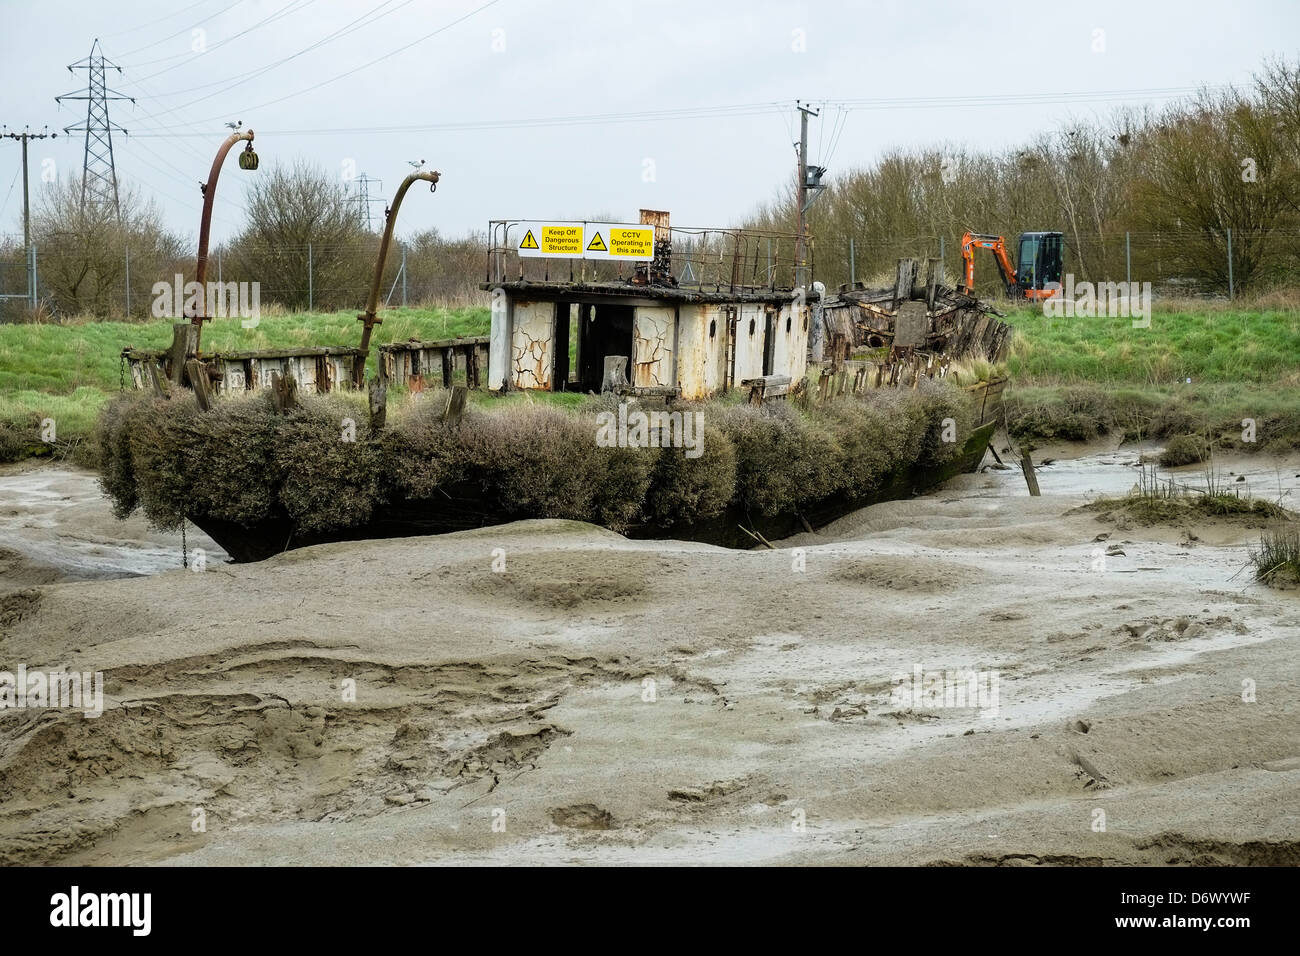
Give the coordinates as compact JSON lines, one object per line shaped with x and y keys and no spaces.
{"x":801,"y":201}
{"x":23,"y":137}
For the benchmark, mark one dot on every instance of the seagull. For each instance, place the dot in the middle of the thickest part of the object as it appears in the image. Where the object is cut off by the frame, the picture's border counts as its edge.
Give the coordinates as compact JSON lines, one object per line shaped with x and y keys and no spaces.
{"x":414,"y":163}
{"x":236,"y":124}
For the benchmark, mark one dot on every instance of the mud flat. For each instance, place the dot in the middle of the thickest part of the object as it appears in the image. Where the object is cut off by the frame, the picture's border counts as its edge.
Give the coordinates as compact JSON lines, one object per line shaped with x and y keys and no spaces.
{"x":509,"y":717}
{"x":56,"y":525}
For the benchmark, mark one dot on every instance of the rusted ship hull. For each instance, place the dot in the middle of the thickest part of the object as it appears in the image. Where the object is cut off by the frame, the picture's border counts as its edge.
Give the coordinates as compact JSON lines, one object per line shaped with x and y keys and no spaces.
{"x":461,"y":509}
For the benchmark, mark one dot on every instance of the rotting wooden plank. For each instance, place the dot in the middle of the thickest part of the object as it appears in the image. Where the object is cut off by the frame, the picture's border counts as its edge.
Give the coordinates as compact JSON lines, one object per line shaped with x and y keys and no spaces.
{"x":185,"y":340}
{"x":378,"y":398}
{"x":200,"y":383}
{"x":161,"y":388}
{"x":284,"y":392}
{"x":455,"y":404}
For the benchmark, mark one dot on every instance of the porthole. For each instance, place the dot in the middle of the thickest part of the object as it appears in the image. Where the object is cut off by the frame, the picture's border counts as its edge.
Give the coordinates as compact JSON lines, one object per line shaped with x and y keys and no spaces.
{"x":713,"y":328}
{"x":751,"y":326}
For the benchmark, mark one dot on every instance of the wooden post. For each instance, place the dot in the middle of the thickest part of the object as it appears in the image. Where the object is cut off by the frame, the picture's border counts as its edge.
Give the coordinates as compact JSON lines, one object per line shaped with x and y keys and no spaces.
{"x":185,"y":342}
{"x":156,"y":378}
{"x":1027,"y":466}
{"x":447,"y":367}
{"x":933,"y":279}
{"x":455,"y":404}
{"x":471,"y":367}
{"x":284,"y":392}
{"x":378,"y":405}
{"x":903,"y":281}
{"x":199,"y":381}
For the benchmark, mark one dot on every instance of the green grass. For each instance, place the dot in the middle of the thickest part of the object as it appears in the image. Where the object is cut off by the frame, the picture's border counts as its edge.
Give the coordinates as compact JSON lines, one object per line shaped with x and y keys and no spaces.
{"x":68,"y":371}
{"x":62,"y":358}
{"x":1077,"y":378}
{"x":1208,"y":345}
{"x":1071,"y":378}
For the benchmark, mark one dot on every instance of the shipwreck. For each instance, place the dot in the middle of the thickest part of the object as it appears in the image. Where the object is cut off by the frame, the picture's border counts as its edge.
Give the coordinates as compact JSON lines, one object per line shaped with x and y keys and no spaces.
{"x":646,"y":314}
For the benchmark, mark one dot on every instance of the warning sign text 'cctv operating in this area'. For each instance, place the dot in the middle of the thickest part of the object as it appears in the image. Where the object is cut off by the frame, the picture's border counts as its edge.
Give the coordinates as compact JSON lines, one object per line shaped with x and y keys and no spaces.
{"x":585,"y":240}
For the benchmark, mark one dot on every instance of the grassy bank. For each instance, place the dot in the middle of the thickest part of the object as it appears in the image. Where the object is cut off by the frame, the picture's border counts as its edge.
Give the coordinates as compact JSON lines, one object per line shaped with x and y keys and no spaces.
{"x":1198,"y":370}
{"x":1071,"y":378}
{"x":68,"y":371}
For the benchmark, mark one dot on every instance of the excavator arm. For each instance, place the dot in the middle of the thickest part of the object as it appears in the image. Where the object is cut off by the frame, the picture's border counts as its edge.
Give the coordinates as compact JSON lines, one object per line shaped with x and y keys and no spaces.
{"x":975,"y":240}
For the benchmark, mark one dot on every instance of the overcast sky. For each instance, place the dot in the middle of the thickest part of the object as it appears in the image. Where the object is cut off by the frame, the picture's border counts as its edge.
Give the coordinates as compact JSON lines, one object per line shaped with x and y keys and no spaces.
{"x":194,"y":65}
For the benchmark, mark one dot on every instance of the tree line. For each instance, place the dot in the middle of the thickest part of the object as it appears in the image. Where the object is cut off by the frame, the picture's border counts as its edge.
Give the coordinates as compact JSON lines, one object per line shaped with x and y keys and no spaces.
{"x":305,"y":240}
{"x":1158,"y":195}
{"x":1174,"y":181}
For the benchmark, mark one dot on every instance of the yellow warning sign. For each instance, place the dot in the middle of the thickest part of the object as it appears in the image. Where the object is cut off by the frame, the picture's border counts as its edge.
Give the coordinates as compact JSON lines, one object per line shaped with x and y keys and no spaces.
{"x":542,"y":239}
{"x":584,"y":240}
{"x":562,"y":240}
{"x":611,"y":240}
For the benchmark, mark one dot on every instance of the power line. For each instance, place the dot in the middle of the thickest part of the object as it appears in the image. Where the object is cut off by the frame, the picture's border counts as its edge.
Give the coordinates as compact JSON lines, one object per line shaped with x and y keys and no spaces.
{"x":156,"y":21}
{"x":742,"y":109}
{"x":188,"y":29}
{"x":705,"y":112}
{"x":379,"y":59}
{"x":293,"y":6}
{"x":350,"y":27}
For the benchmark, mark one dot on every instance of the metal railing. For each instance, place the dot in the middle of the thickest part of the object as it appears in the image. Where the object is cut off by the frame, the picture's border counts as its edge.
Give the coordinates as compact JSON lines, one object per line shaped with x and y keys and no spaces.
{"x":706,"y":259}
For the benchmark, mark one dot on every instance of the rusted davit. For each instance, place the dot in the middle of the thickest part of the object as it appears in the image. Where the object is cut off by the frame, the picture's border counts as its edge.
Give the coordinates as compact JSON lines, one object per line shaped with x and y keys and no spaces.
{"x":370,"y":317}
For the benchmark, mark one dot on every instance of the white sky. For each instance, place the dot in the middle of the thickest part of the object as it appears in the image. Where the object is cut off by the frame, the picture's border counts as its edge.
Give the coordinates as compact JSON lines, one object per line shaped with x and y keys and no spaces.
{"x":563,"y":59}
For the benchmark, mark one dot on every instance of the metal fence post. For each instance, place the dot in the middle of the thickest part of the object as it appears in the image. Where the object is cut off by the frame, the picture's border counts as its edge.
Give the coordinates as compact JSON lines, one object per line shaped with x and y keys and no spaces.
{"x":1230,"y":289}
{"x":218,"y":265}
{"x":128,"y":283}
{"x":853,"y":266}
{"x":403,"y":277}
{"x":310,"y":298}
{"x":1128,"y":261}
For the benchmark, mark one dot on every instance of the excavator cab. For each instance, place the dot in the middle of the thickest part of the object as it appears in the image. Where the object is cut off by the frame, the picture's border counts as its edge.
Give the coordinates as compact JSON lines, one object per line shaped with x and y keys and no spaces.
{"x":1038,"y":264}
{"x":1037,"y":272}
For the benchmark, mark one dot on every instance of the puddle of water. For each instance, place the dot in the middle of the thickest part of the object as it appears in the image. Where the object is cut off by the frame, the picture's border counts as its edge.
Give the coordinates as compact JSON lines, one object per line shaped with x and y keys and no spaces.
{"x":57,"y":525}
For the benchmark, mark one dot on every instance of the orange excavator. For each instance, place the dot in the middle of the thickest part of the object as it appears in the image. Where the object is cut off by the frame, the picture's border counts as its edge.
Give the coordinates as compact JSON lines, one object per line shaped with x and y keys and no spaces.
{"x":1038,"y":275}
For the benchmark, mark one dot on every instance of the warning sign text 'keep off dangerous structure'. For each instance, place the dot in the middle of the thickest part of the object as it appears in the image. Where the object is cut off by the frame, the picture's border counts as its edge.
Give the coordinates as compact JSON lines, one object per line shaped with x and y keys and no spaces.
{"x":587,"y":240}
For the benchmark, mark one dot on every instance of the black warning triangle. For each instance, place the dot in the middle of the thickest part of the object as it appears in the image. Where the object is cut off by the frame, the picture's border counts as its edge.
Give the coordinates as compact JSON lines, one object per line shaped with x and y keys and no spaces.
{"x":597,"y":244}
{"x":529,"y":242}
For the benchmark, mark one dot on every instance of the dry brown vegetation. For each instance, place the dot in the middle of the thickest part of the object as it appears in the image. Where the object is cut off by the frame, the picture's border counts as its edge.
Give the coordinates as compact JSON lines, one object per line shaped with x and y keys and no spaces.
{"x":241,"y":462}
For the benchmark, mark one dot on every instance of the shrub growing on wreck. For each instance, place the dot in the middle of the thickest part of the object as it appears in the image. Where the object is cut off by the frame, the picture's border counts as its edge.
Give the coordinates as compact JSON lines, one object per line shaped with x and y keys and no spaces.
{"x":328,"y":463}
{"x":182,"y":463}
{"x":949,"y":419}
{"x":241,"y":462}
{"x":784,"y":461}
{"x":116,"y":470}
{"x":422,"y":453}
{"x":875,"y":436}
{"x":683,"y":490}
{"x":529,"y":461}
